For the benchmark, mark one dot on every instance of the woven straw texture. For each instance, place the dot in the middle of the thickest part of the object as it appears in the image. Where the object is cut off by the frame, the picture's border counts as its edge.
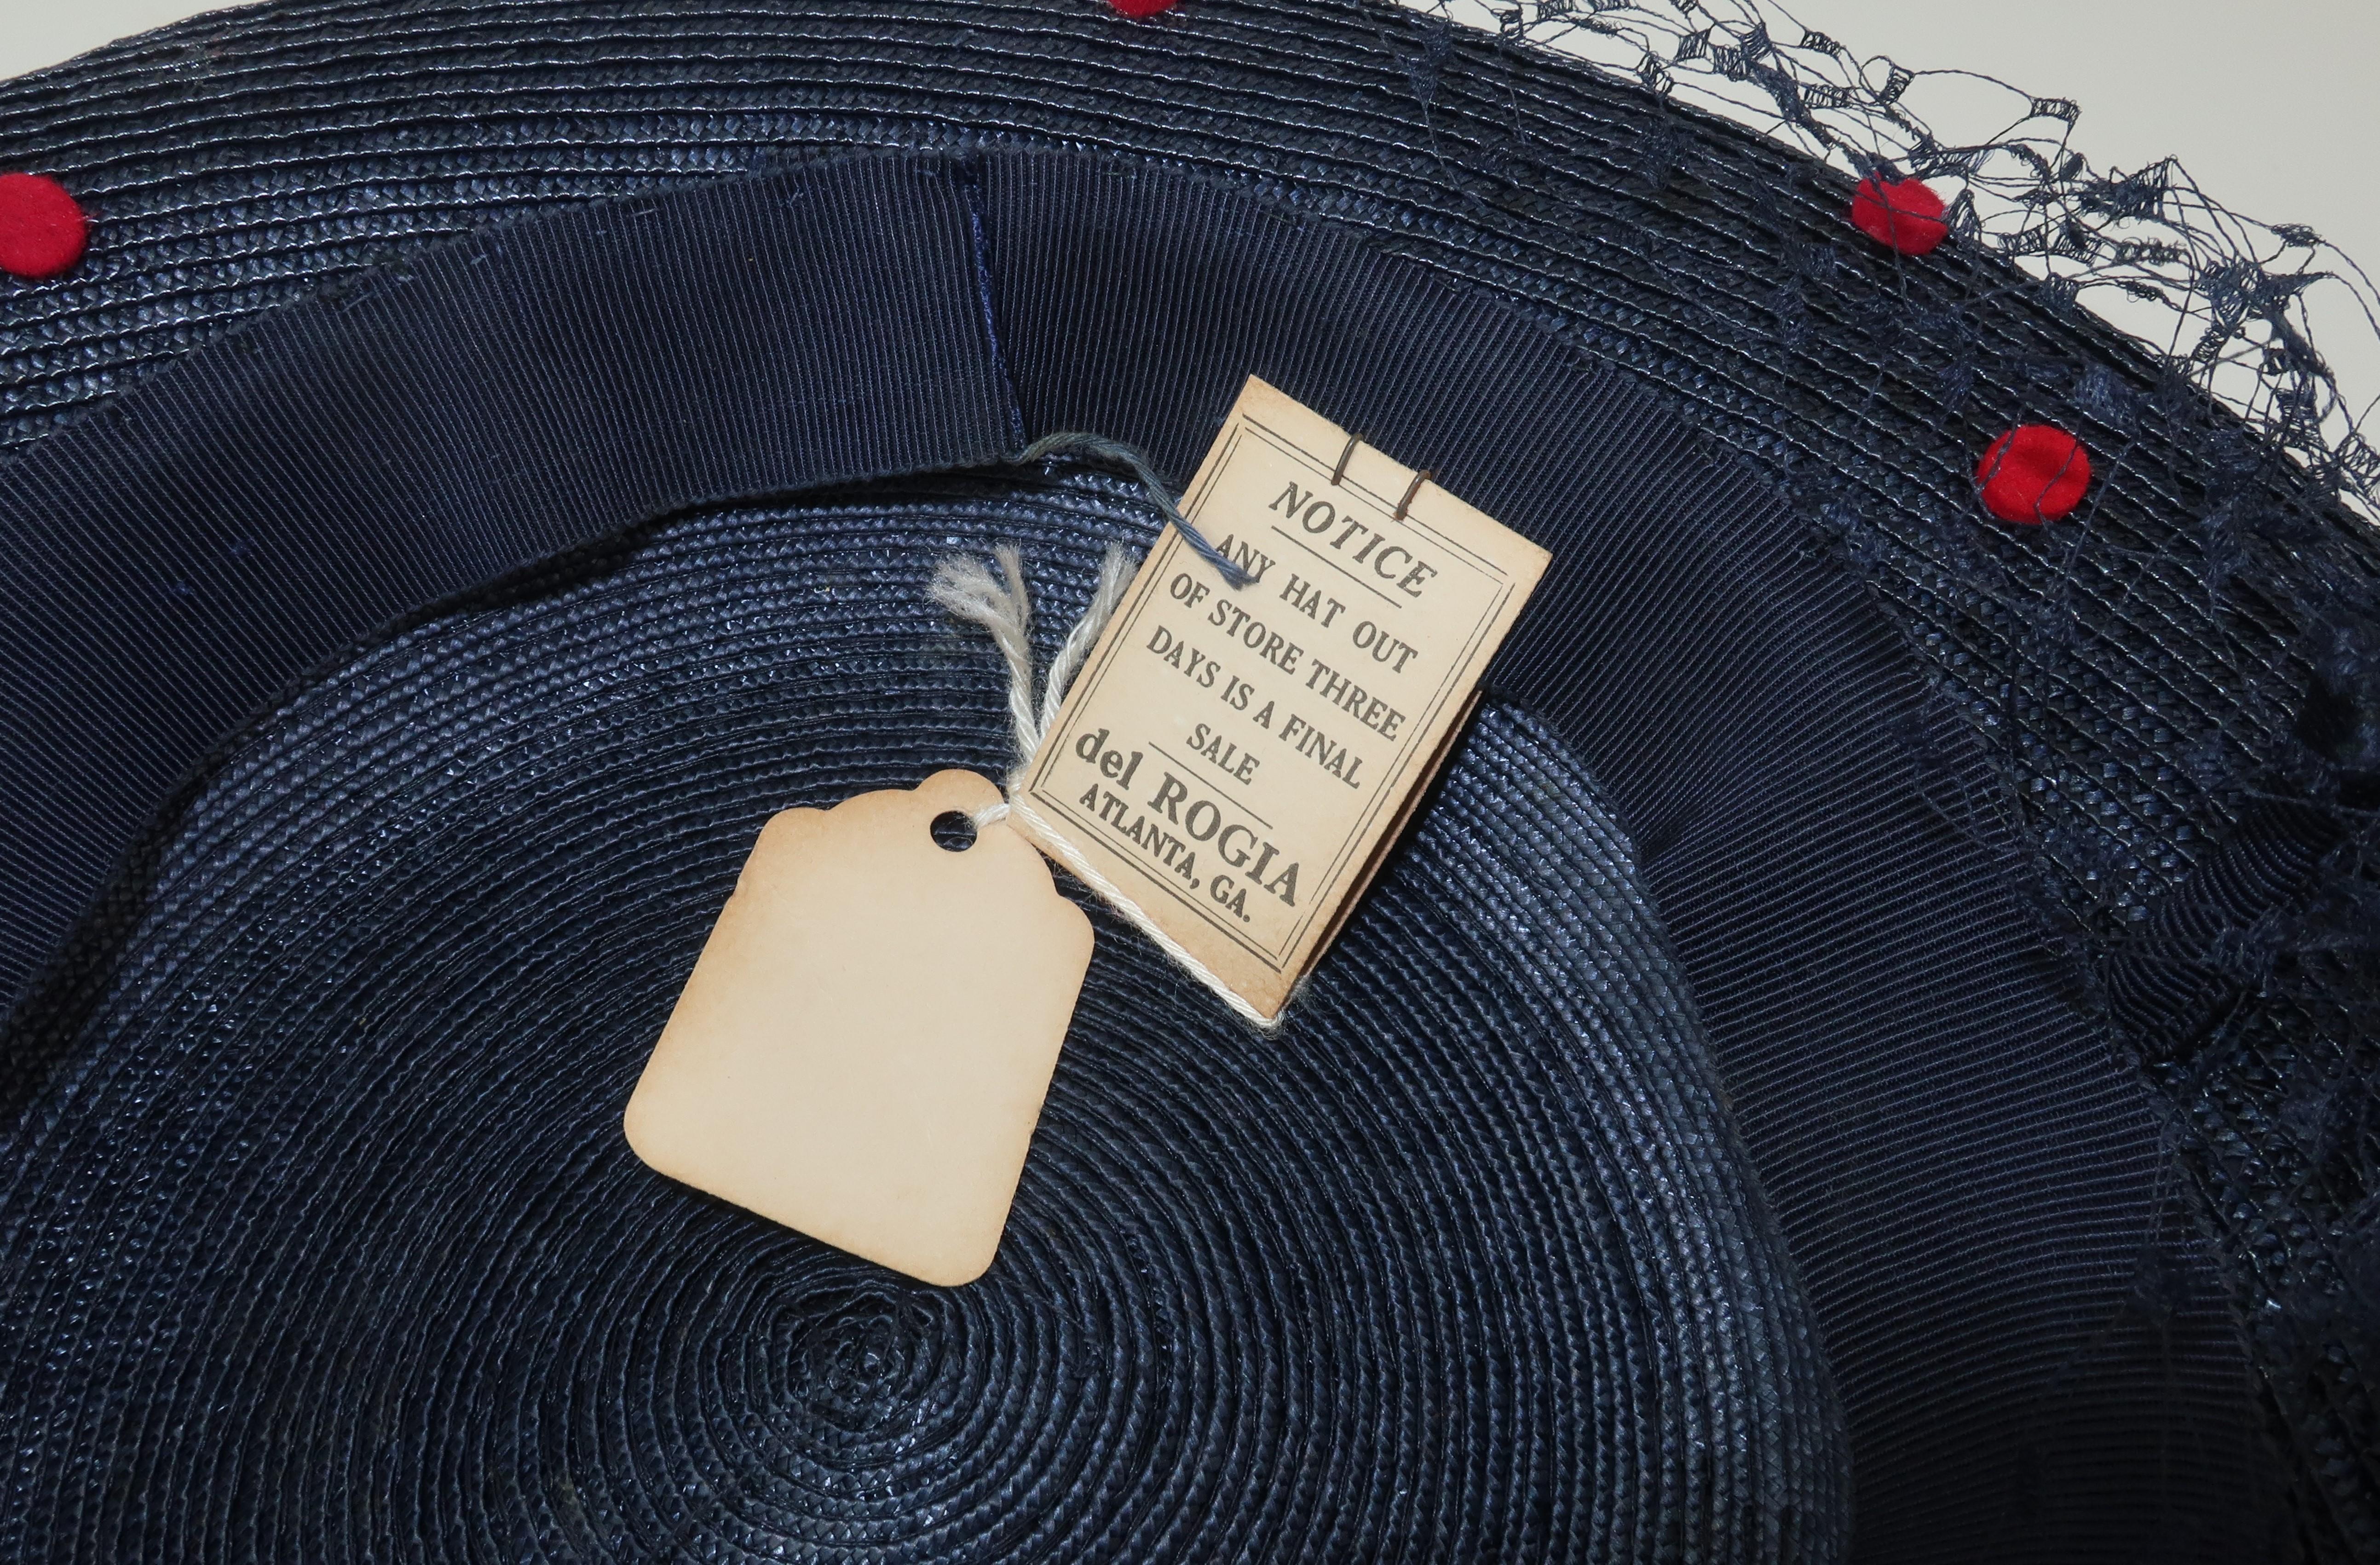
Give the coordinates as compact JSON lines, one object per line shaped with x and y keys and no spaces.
{"x":1464,"y":1266}
{"x":2178,"y":695}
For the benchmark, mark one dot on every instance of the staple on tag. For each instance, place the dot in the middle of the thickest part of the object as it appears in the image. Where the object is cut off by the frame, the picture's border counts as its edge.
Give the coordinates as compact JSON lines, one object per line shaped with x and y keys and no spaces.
{"x":1411,"y":489}
{"x":1346,"y":454}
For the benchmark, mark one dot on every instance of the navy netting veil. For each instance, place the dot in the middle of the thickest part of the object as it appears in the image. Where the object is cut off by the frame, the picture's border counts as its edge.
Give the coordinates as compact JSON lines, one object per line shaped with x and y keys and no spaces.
{"x":1867,"y":1053}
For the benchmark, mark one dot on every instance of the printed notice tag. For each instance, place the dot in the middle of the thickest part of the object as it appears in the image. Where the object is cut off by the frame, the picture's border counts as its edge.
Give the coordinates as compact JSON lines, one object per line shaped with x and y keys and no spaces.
{"x":865,"y":1044}
{"x":1236,"y":760}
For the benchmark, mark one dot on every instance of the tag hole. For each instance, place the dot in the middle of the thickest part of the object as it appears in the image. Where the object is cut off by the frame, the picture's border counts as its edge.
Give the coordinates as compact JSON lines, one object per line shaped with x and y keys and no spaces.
{"x":954,"y":828}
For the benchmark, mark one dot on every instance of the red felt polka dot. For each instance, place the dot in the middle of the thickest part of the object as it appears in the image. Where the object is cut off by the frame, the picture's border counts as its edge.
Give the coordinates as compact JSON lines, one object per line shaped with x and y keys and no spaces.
{"x":2035,"y":473}
{"x":1136,"y":9}
{"x":1900,"y":214}
{"x":41,"y":228}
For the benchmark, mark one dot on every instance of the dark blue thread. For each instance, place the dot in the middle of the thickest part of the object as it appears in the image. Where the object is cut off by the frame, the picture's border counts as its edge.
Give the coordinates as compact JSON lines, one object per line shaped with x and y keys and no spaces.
{"x":1100,"y":448}
{"x":969,"y":177}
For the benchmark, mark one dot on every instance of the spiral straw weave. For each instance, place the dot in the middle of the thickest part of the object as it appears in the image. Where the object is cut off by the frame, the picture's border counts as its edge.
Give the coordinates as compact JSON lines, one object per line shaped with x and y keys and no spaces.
{"x":2178,"y":692}
{"x":323,"y":1243}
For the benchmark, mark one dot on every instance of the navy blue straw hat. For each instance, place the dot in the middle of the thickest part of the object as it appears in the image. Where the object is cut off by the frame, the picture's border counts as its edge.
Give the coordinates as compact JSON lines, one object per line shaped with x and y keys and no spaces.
{"x":1869,"y":1052}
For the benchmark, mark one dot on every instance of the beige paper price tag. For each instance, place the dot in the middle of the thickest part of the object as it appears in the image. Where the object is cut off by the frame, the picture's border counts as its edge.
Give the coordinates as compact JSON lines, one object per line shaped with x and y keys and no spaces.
{"x":864,"y":1047}
{"x":1235,"y":762}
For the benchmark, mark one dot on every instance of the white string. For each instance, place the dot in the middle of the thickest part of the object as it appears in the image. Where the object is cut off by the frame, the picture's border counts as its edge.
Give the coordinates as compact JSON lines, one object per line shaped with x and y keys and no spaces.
{"x":1115,"y":575}
{"x":963,"y":586}
{"x":1000,"y":606}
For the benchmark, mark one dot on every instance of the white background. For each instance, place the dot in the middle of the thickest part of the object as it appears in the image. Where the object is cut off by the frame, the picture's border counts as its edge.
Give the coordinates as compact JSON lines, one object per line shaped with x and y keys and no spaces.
{"x":2273,"y":106}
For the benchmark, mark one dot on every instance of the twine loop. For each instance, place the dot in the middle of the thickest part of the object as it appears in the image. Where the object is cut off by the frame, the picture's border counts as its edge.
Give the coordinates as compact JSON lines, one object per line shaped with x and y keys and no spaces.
{"x":1000,"y":605}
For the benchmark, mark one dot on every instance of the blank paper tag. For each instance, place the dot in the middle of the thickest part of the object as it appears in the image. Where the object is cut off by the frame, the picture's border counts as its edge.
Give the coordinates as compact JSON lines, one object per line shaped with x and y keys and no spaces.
{"x":865,"y":1044}
{"x":1236,"y":761}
